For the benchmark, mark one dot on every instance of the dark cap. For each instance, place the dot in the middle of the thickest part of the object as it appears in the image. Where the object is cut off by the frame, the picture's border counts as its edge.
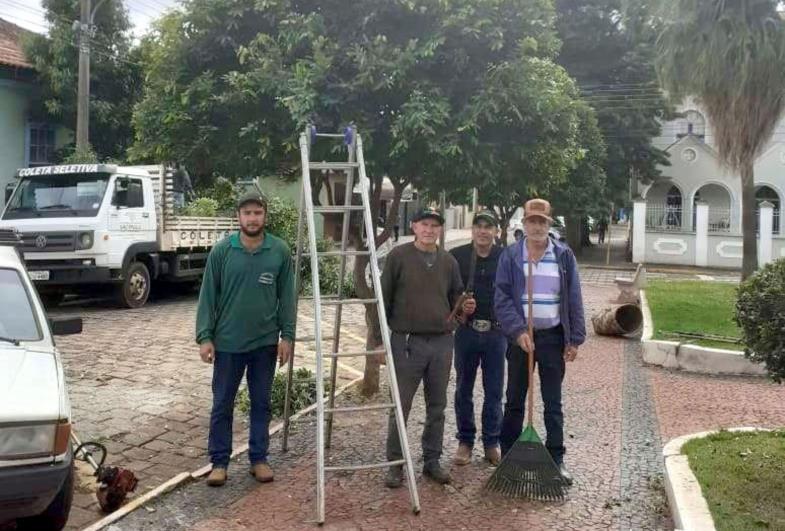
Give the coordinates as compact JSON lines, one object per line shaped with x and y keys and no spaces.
{"x":487,"y":216}
{"x":252,"y":197}
{"x":428,"y":212}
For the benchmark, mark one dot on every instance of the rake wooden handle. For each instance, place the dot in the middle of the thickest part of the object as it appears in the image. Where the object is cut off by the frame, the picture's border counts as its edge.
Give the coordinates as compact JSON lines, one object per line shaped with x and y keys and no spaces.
{"x":530,"y":355}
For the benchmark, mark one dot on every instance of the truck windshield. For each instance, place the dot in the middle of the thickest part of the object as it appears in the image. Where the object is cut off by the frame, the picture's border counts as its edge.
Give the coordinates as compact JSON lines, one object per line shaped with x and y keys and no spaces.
{"x":47,"y":196}
{"x":17,"y":320}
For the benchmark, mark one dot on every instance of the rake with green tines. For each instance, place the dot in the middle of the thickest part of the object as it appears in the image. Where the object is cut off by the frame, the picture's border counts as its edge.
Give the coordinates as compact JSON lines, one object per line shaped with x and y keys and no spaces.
{"x":527,"y":469}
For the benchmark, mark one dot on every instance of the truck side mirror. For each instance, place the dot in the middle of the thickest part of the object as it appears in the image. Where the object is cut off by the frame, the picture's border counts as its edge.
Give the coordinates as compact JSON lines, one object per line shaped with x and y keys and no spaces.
{"x":9,"y":189}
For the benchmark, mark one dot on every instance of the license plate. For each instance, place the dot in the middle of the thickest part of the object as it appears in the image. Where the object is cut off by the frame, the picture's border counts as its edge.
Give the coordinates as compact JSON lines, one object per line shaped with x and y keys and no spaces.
{"x":38,"y":275}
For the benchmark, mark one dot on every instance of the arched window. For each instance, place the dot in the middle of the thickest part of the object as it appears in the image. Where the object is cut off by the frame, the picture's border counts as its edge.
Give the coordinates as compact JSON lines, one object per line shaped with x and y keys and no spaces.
{"x":673,"y":207}
{"x":766,"y":193}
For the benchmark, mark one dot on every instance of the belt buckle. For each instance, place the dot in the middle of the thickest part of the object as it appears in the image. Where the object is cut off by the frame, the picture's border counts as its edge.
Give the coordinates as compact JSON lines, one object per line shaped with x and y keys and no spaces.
{"x":481,"y":325}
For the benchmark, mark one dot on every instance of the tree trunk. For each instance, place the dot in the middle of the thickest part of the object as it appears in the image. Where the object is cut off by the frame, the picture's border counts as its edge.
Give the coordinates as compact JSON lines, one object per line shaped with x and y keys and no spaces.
{"x":373,"y":338}
{"x":749,"y":262}
{"x":574,"y":233}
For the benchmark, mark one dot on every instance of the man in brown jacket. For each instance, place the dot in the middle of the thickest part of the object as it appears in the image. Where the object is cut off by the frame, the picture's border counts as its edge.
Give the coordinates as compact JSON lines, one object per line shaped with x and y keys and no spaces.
{"x":420,"y":285}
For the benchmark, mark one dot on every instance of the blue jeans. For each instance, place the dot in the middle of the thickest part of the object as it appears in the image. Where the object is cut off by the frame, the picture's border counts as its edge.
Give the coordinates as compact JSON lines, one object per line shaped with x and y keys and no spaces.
{"x":549,"y":358}
{"x":474,"y":349}
{"x":228,"y":370}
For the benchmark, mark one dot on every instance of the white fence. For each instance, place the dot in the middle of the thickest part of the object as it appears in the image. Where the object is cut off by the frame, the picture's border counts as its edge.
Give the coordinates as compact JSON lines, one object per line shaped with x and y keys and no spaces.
{"x":662,"y":235}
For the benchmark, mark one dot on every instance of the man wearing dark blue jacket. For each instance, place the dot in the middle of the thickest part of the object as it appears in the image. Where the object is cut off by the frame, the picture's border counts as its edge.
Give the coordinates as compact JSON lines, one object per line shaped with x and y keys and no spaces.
{"x":559,"y":327}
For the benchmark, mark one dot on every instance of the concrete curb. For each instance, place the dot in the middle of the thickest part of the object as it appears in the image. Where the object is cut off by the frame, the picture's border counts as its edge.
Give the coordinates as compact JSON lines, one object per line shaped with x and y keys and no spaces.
{"x":685,"y":497}
{"x":691,"y":358}
{"x":186,"y":477}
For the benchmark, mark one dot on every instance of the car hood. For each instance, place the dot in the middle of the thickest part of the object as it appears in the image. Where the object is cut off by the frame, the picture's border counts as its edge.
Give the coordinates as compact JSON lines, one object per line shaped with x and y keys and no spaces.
{"x":30,"y":388}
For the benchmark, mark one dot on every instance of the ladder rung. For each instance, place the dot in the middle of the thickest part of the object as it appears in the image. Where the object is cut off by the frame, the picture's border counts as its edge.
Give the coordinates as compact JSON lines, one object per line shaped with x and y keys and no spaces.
{"x":306,"y":339}
{"x":339,"y":253}
{"x":364,"y":467}
{"x":337,"y":302}
{"x":355,"y":354}
{"x":337,"y":208}
{"x":372,"y":407}
{"x":336,"y":166}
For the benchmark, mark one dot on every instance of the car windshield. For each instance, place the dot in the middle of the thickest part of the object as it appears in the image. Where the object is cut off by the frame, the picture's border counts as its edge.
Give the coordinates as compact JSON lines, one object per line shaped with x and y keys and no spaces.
{"x":77,"y":195}
{"x":17,"y":319}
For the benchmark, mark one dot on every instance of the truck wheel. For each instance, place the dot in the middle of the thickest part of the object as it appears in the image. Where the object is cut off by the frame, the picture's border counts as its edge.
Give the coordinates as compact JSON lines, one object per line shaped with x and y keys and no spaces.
{"x":135,"y":289}
{"x":55,"y":515}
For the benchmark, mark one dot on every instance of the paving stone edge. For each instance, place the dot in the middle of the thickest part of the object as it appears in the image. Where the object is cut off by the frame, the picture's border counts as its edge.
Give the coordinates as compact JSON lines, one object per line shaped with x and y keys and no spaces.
{"x":185,"y":477}
{"x":689,"y":509}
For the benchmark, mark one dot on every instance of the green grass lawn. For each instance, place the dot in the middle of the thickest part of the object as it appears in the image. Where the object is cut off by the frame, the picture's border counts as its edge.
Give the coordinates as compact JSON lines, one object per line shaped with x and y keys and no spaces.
{"x":742,"y":476}
{"x":696,"y":307}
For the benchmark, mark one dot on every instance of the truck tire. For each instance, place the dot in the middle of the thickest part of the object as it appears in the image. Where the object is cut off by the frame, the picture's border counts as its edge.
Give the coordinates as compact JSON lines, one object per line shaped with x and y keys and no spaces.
{"x":56,"y":514}
{"x":135,"y":289}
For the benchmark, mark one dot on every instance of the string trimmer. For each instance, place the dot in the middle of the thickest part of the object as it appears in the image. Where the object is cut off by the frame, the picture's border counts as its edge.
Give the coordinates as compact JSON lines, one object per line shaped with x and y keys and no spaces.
{"x":116,"y":482}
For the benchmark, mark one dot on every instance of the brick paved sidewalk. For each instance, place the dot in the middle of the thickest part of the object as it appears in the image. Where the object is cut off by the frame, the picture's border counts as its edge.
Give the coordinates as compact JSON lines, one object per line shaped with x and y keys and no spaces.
{"x":613,"y":451}
{"x":137,"y":385}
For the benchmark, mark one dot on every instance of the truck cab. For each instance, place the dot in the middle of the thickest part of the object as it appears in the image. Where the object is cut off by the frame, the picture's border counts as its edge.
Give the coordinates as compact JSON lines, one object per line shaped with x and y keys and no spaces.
{"x":88,"y":225}
{"x":36,"y":461}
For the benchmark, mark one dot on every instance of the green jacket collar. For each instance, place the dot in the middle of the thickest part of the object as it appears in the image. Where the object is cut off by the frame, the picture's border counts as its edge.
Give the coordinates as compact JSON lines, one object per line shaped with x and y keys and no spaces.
{"x":234,"y":241}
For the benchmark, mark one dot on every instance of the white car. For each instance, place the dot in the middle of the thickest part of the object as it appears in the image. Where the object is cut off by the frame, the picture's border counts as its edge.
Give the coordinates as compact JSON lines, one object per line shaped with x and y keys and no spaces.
{"x":36,"y":458}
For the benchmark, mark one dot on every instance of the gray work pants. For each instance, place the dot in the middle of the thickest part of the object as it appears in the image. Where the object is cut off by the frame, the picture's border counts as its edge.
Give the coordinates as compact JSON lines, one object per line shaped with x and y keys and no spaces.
{"x":426,"y":358}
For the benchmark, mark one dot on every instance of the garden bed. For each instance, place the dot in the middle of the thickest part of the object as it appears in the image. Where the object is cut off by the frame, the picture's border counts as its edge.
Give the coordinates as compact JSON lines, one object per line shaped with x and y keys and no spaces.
{"x":742,"y":477}
{"x":696,"y":312}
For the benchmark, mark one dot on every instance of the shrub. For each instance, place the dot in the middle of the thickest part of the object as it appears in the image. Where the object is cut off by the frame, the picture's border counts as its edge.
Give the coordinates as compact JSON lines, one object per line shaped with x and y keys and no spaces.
{"x":303,"y":392}
{"x":205,"y":207}
{"x":760,"y":313}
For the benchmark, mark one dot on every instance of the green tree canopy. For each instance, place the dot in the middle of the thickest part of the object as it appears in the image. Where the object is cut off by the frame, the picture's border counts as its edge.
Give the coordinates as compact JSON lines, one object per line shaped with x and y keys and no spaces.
{"x":114,"y":73}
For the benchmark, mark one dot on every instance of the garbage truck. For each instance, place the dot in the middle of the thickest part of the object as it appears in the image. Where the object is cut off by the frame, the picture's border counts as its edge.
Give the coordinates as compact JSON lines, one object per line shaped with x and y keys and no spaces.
{"x":85,"y":227}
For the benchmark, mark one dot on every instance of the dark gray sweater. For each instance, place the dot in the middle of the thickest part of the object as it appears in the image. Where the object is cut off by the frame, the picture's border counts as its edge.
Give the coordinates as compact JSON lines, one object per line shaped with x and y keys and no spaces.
{"x":417,"y":298}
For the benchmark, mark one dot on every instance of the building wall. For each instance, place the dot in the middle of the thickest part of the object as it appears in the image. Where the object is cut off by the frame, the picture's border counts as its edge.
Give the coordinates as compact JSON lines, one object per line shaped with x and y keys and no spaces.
{"x":13,"y":120}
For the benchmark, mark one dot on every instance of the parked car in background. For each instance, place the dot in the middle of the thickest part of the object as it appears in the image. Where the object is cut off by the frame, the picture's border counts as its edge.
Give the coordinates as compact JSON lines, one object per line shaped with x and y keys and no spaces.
{"x":36,"y":460}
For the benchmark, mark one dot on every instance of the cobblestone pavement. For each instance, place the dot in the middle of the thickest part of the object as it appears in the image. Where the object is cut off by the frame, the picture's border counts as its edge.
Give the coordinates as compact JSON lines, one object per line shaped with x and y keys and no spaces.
{"x":138,"y":386}
{"x":613,"y":449}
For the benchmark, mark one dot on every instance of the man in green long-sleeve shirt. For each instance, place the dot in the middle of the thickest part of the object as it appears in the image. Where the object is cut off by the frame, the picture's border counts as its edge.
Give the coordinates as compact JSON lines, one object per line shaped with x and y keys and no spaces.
{"x":245,"y":319}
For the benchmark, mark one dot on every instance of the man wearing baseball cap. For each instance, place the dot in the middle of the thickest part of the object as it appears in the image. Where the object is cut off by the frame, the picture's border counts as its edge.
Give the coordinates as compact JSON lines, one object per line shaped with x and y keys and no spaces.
{"x":559,"y":327}
{"x":420,"y":285}
{"x":479,"y":342}
{"x":245,"y":320}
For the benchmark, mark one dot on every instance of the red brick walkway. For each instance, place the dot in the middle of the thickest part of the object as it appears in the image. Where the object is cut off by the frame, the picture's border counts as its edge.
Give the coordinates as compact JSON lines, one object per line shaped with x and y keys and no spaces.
{"x":615,"y":408}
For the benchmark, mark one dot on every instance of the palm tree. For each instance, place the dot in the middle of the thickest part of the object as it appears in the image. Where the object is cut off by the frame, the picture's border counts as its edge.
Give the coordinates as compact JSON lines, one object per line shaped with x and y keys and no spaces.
{"x":730,"y":56}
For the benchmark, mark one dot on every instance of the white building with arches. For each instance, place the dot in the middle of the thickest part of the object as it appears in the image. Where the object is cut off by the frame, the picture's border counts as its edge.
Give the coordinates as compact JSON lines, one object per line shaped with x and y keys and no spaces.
{"x":697,"y":189}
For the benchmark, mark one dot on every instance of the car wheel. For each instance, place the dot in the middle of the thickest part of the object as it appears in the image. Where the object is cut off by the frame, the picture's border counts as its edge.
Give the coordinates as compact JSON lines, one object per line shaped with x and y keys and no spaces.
{"x":135,"y":289}
{"x":56,"y":514}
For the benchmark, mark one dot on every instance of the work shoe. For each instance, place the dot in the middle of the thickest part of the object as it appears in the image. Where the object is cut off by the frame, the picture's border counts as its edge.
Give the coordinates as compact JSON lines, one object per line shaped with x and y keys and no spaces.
{"x":262,"y":472}
{"x":435,"y":471}
{"x":493,"y":455}
{"x":394,"y":477}
{"x":217,"y":476}
{"x":565,"y":474}
{"x":463,"y":456}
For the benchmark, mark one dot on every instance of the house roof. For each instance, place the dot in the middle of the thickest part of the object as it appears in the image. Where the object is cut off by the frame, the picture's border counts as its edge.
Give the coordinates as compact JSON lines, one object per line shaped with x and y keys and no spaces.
{"x":11,"y":53}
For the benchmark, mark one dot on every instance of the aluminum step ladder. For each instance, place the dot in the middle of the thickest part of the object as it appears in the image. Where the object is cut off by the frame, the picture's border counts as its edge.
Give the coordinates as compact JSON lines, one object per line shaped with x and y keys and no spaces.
{"x":306,"y":231}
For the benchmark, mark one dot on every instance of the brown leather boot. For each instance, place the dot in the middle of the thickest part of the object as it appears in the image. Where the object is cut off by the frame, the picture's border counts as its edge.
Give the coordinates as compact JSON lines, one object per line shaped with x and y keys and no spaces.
{"x":463,"y":455}
{"x":262,"y":472}
{"x":217,"y":477}
{"x":493,"y":455}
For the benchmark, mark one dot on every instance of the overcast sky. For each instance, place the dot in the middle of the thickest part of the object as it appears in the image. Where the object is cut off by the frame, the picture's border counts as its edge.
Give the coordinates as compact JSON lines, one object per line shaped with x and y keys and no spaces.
{"x":29,"y":13}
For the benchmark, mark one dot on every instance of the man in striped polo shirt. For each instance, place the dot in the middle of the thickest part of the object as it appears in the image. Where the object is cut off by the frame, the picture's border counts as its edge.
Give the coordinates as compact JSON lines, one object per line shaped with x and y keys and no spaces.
{"x":559,"y":327}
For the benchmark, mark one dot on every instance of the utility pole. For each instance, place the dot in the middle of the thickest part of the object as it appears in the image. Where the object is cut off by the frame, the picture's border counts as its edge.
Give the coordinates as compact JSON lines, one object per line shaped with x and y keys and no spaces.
{"x":83,"y":92}
{"x":86,"y":32}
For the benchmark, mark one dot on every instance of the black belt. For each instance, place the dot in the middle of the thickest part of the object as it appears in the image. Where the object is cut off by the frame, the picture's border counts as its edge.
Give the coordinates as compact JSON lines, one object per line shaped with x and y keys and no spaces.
{"x":483,"y":325}
{"x":552,"y":330}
